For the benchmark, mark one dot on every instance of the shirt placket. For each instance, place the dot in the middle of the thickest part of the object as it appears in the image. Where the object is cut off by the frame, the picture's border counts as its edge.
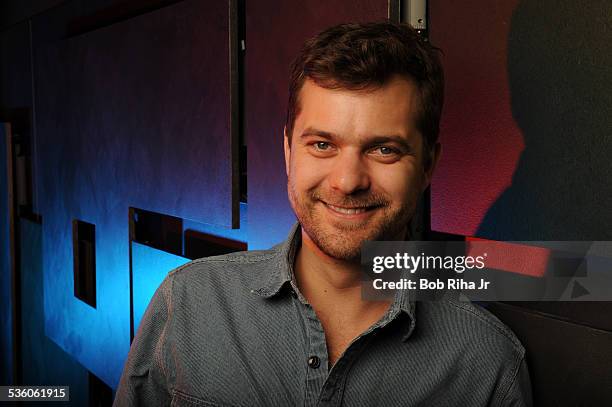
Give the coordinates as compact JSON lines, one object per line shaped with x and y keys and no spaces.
{"x":333,"y":388}
{"x":324,"y":388}
{"x":316,"y":358}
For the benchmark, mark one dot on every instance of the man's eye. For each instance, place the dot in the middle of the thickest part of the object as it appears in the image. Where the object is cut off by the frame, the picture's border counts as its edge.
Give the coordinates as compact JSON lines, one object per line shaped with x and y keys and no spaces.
{"x":384,"y":150}
{"x":321,"y":145}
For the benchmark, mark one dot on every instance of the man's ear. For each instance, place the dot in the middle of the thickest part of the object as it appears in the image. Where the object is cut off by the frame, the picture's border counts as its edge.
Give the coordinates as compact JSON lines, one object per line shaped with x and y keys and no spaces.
{"x":435,"y":157}
{"x":287,"y":148}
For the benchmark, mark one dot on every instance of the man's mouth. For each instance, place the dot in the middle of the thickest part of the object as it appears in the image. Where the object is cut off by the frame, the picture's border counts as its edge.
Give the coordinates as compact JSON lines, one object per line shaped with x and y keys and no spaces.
{"x":349,"y":210}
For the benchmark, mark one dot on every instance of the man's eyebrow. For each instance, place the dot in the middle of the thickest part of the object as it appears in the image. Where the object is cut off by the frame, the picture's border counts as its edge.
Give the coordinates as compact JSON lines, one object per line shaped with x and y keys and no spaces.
{"x":395,"y":138}
{"x":311,"y":131}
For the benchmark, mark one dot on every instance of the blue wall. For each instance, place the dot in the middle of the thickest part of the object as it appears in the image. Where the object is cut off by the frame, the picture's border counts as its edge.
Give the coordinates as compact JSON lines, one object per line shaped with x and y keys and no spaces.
{"x":6,"y":339}
{"x":129,"y":115}
{"x":43,"y":362}
{"x":149,"y":267}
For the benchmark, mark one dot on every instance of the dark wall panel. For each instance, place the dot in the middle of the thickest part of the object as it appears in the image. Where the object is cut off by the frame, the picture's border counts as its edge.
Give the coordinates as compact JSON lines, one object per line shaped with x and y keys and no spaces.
{"x":526,"y":123}
{"x":570,"y":364}
{"x":525,"y":156}
{"x":275,"y":31}
{"x":16,"y":72}
{"x":12,"y":12}
{"x":134,"y":114}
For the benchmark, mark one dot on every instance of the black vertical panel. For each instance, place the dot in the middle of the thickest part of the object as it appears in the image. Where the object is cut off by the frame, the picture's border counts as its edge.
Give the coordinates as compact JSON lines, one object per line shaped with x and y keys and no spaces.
{"x":238,"y":44}
{"x":235,"y":54}
{"x":84,"y":261}
{"x":275,"y":30}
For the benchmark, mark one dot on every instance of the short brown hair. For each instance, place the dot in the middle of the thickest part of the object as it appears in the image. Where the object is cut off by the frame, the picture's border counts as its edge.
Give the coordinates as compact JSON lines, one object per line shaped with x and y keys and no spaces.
{"x":362,"y":56}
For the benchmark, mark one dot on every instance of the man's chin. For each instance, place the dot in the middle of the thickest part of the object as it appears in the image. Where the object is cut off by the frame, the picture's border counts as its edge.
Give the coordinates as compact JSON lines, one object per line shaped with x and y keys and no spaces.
{"x":340,"y":246}
{"x":344,"y":253}
{"x":342,"y":239}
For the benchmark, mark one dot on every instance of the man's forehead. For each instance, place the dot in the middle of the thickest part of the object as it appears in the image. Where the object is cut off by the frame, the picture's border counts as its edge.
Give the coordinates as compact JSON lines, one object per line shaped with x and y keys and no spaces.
{"x":396,"y":85}
{"x":385,"y":111}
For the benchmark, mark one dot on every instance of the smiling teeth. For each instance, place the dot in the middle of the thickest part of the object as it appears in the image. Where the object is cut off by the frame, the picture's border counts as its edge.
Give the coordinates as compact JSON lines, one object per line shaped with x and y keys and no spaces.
{"x":351,"y":211}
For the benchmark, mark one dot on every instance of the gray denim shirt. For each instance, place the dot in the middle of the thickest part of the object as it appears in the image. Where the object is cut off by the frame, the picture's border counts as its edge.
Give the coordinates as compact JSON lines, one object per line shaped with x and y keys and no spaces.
{"x":234,"y":330}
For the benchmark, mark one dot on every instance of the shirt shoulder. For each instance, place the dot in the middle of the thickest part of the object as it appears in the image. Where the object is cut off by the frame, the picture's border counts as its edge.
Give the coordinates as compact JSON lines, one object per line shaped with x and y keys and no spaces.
{"x":469,"y":329}
{"x":475,"y":342}
{"x":485,"y":321}
{"x":229,"y":275}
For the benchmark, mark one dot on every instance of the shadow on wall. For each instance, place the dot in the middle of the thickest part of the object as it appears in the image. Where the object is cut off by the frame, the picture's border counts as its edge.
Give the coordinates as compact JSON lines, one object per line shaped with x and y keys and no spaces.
{"x":559,"y":59}
{"x":560,"y":80}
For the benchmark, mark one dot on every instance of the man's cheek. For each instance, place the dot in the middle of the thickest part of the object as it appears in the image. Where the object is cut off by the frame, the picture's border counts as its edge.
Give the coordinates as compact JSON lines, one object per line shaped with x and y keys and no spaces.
{"x":312,"y":177}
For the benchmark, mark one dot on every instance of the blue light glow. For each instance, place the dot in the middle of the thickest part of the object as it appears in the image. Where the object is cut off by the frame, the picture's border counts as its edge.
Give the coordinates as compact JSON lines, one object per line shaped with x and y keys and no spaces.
{"x":43,"y":362}
{"x":113,"y":133}
{"x":149,"y":268}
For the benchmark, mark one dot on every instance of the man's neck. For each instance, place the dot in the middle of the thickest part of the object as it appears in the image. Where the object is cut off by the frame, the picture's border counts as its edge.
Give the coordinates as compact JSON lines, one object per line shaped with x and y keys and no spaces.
{"x":333,"y":288}
{"x":318,"y":274}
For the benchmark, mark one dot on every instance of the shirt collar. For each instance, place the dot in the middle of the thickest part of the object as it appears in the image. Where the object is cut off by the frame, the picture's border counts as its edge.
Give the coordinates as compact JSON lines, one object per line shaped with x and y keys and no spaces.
{"x":281,"y":275}
{"x":281,"y":271}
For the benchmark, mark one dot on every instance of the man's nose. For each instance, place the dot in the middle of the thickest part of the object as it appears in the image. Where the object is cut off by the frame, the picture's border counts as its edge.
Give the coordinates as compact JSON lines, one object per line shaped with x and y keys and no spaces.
{"x":350,"y":173}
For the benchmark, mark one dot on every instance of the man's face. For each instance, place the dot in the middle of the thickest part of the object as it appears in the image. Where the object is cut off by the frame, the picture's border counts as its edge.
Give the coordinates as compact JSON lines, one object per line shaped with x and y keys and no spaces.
{"x":355,"y":165}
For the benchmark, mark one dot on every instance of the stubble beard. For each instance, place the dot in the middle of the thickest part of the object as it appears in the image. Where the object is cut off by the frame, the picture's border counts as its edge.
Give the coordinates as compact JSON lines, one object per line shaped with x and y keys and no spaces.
{"x":341,"y":240}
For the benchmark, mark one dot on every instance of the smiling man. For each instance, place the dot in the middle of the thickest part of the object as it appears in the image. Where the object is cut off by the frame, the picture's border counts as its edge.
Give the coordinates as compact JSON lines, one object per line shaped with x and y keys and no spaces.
{"x":356,"y":167}
{"x":289,"y":326}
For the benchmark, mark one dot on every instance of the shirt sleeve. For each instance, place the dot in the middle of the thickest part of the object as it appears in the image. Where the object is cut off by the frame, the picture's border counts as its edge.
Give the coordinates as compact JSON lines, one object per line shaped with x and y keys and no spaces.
{"x":519,"y":392}
{"x":145,"y":377}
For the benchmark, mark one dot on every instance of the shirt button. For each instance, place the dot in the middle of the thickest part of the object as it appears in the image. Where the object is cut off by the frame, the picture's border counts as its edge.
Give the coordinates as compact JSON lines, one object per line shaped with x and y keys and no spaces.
{"x":314,"y":362}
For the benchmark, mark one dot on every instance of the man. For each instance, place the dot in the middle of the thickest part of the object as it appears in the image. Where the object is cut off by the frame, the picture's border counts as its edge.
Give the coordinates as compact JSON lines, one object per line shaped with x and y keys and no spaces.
{"x":288,"y":326}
